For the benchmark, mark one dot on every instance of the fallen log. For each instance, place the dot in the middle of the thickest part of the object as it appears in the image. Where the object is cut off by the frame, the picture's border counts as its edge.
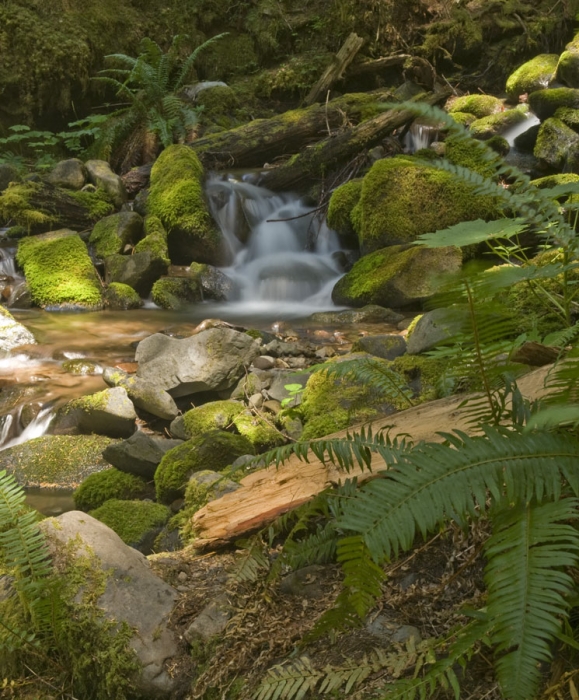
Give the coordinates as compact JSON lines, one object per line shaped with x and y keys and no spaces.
{"x":336,"y":69}
{"x":271,"y":492}
{"x":311,"y":163}
{"x":263,"y":140}
{"x":376,"y":65}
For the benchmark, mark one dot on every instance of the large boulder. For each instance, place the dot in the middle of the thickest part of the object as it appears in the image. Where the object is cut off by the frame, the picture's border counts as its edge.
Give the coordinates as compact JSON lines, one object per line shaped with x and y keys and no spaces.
{"x":478,"y":105}
{"x":140,"y":454}
{"x":398,"y":276}
{"x":12,"y":333}
{"x":70,"y":174}
{"x":145,"y":395}
{"x":101,"y":175}
{"x":212,"y":360}
{"x":55,"y":461}
{"x":109,"y":412}
{"x":176,"y":293}
{"x":557,"y":144}
{"x":496,"y":124}
{"x":401,"y":200}
{"x":139,"y":271}
{"x":111,"y":234}
{"x":129,"y":592}
{"x":532,"y":75}
{"x":176,"y":197}
{"x":544,"y":103}
{"x":59,"y":271}
{"x":213,"y":283}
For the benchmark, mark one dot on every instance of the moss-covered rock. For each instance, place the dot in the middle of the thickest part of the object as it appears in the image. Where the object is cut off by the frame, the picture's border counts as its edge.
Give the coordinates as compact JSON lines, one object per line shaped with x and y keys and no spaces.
{"x":397,"y":276}
{"x":175,"y":293}
{"x":461,"y":152}
{"x":59,"y":271}
{"x":556,"y":143}
{"x":55,"y":461}
{"x":176,"y":198}
{"x":137,"y":523}
{"x":121,"y":297}
{"x":532,"y":75}
{"x":330,"y":404}
{"x":544,"y":103}
{"x":261,"y":434}
{"x":463,"y":118}
{"x":553,"y":180}
{"x":422,"y":374}
{"x":214,"y":451}
{"x":108,"y":412}
{"x":497,"y":124}
{"x":568,"y":116}
{"x":342,"y":201}
{"x":139,"y":271}
{"x":111,"y":234}
{"x":478,"y":105}
{"x":568,"y":68}
{"x":98,"y":488}
{"x":401,"y":200}
{"x":499,"y":145}
{"x":81,"y":366}
{"x":155,"y":240}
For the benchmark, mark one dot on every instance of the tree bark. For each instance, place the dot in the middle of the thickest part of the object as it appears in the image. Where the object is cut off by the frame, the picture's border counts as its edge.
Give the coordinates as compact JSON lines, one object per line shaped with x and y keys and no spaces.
{"x":336,"y":69}
{"x":262,"y":140}
{"x":311,"y":163}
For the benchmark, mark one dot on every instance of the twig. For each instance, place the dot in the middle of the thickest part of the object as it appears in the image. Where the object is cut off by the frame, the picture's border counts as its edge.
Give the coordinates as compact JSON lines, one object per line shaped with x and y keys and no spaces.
{"x":43,"y":680}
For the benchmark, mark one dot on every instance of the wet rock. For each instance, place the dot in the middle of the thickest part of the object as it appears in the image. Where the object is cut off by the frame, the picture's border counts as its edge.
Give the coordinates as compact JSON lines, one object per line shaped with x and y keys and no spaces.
{"x":121,"y":297}
{"x":210,"y":622}
{"x":82,"y":366}
{"x":140,"y":454}
{"x":367,"y":314}
{"x":12,"y":333}
{"x":140,"y":271}
{"x":146,"y":395}
{"x":212,"y":360}
{"x":132,"y":594}
{"x":101,"y":175}
{"x":432,"y":328}
{"x":556,"y":143}
{"x":497,"y":124}
{"x":70,"y":174}
{"x":214,"y":284}
{"x":387,"y":346}
{"x":109,"y":412}
{"x":175,"y":293}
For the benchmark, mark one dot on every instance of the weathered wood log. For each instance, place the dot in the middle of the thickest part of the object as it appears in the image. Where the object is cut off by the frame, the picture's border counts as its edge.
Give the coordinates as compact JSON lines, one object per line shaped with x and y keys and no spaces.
{"x":336,"y":69}
{"x":328,"y":154}
{"x":535,"y":354}
{"x":268,"y":493}
{"x":262,"y":140}
{"x":376,"y":65}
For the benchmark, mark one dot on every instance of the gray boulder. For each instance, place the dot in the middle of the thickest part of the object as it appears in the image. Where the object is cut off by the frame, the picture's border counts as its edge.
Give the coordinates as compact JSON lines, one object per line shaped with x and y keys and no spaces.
{"x":432,"y":328}
{"x":132,"y":594}
{"x":367,"y":314}
{"x":146,"y":395}
{"x":212,"y":360}
{"x":140,"y":271}
{"x":101,"y":175}
{"x":556,"y":143}
{"x":109,"y":412}
{"x":70,"y":174}
{"x":139,"y":455}
{"x":388,"y":346}
{"x":210,"y":622}
{"x":12,"y":333}
{"x":213,"y":283}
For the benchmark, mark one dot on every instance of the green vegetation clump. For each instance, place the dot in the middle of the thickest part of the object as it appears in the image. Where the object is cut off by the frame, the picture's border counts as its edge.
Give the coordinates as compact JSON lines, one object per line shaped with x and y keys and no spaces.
{"x":478,"y":105}
{"x":98,"y":203}
{"x":532,"y":75}
{"x":400,"y":200}
{"x":463,"y":118}
{"x":422,"y":373}
{"x":59,"y":271}
{"x":261,"y":434}
{"x":553,"y":180}
{"x":342,"y":202}
{"x":213,"y":451}
{"x":175,"y":292}
{"x":132,"y":520}
{"x":461,"y":152}
{"x":98,"y":488}
{"x":176,"y":198}
{"x":15,"y":207}
{"x":111,"y":234}
{"x":544,"y":103}
{"x":568,"y":116}
{"x":215,"y":415}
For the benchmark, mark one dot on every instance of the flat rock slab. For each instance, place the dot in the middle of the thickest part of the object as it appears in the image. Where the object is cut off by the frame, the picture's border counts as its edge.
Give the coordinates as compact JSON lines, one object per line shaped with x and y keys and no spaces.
{"x":269,"y":493}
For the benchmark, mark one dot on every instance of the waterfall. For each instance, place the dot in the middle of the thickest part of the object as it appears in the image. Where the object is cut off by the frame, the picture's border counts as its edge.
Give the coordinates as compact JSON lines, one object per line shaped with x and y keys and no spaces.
{"x":419,"y":136}
{"x":284,"y":256}
{"x":36,"y":428}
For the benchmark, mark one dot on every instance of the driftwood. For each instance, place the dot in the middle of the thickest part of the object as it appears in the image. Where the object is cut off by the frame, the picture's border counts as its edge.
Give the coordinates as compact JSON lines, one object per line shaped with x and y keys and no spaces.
{"x":336,"y":69}
{"x":262,"y":140}
{"x":271,"y":492}
{"x":328,"y":154}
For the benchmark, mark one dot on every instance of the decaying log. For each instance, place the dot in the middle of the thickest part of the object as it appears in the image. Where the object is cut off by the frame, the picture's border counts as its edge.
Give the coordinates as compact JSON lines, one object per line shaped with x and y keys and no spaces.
{"x":266,"y":494}
{"x":376,"y":65}
{"x":336,"y":69}
{"x":535,"y":354}
{"x":325,"y":155}
{"x":263,"y":140}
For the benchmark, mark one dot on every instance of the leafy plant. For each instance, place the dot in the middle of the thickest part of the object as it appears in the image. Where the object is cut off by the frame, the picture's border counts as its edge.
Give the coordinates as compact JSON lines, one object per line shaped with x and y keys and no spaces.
{"x":154,"y":114}
{"x":294,"y":391}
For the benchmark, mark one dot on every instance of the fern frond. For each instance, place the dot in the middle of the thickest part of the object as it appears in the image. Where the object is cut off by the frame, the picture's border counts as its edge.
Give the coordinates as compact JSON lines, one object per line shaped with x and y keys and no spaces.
{"x":527,"y":583}
{"x":363,"y":578}
{"x":251,"y":562}
{"x":472,"y":232}
{"x":189,"y":62}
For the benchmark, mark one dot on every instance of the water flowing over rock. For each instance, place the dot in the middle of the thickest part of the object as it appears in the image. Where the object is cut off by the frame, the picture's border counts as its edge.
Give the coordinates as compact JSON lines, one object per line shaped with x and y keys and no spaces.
{"x":12,"y":333}
{"x":212,"y":360}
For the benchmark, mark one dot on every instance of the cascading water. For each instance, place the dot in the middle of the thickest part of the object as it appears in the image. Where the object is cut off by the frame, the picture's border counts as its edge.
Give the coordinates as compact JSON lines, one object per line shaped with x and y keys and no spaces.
{"x":36,"y":428}
{"x":285,"y":260}
{"x":419,"y":136}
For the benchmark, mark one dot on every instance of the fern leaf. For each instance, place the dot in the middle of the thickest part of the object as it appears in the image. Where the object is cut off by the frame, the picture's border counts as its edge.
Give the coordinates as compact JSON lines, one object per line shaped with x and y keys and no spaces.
{"x":472,"y":232}
{"x":527,"y":555}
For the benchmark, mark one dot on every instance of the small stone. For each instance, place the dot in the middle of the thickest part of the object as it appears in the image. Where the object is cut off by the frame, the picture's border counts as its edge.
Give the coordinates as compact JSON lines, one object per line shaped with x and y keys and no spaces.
{"x":256,"y":401}
{"x":210,"y":622}
{"x":281,"y":364}
{"x":182,"y":577}
{"x":406,"y":633}
{"x":272,"y":406}
{"x":264,"y":362}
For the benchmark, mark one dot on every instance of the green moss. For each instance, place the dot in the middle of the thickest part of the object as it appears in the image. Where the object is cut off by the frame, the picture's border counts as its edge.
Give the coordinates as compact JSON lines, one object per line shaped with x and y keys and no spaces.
{"x":15,"y":207}
{"x":553,"y":180}
{"x":331,"y":404}
{"x":59,"y":271}
{"x":98,"y":203}
{"x":212,"y":451}
{"x":98,"y":488}
{"x":463,"y":118}
{"x":132,"y":520}
{"x":175,"y":292}
{"x":110,"y":235}
{"x":568,"y":116}
{"x":232,"y":55}
{"x":466,"y":153}
{"x":544,"y":103}
{"x":421,"y":373}
{"x":176,"y":198}
{"x":488,"y":127}
{"x":401,"y":200}
{"x":216,"y":415}
{"x":81,"y":366}
{"x":155,"y":240}
{"x":261,"y":434}
{"x":478,"y":105}
{"x":412,"y":325}
{"x":295,"y":76}
{"x":121,"y":296}
{"x":555,"y":141}
{"x":56,"y":460}
{"x":342,"y":201}
{"x":532,"y":75}
{"x":499,"y":145}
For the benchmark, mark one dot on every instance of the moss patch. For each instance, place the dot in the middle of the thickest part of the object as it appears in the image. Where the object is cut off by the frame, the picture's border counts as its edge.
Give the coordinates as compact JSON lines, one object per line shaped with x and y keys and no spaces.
{"x":59,"y":271}
{"x":213,"y":451}
{"x":120,"y":296}
{"x":216,"y":415}
{"x":478,"y":105}
{"x":98,"y":203}
{"x":467,"y":154}
{"x":496,"y":124}
{"x":132,"y":520}
{"x":544,"y":103}
{"x":176,"y":292}
{"x":59,"y":461}
{"x":342,"y":201}
{"x":98,"y":488}
{"x":422,"y":374}
{"x":111,"y":234}
{"x":155,"y":240}
{"x":532,"y":75}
